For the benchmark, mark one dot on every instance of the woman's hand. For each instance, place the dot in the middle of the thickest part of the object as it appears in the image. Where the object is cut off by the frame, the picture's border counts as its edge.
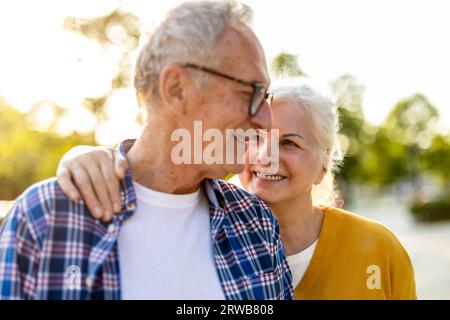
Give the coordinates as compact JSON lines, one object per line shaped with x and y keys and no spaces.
{"x":93,"y":174}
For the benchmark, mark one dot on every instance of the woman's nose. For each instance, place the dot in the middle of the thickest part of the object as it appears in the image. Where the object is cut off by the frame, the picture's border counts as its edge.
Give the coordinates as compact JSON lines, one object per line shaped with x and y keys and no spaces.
{"x":268,"y":154}
{"x":262,"y":156}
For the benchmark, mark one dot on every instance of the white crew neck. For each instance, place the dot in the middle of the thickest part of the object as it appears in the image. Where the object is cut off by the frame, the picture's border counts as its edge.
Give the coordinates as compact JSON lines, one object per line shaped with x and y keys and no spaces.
{"x":299,"y":262}
{"x":166,"y":200}
{"x":304,"y":255}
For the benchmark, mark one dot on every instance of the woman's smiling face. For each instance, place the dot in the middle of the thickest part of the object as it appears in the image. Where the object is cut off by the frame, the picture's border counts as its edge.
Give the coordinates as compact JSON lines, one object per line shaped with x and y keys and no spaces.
{"x":300,"y":164}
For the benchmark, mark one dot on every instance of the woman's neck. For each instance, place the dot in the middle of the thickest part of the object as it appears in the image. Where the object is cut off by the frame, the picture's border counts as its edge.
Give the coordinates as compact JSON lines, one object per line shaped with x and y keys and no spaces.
{"x":300,"y":223}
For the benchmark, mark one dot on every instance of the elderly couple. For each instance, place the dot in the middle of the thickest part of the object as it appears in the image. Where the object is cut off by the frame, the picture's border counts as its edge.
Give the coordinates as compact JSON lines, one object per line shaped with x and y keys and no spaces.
{"x":131,"y":224}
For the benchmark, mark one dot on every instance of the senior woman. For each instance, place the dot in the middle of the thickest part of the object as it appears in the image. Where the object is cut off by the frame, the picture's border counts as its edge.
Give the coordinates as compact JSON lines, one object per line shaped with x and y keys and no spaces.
{"x":332,"y":253}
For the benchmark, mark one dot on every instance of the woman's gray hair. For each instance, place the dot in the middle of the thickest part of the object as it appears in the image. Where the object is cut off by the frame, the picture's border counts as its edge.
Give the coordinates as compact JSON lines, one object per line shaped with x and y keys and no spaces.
{"x":190,"y":33}
{"x":324,"y":117}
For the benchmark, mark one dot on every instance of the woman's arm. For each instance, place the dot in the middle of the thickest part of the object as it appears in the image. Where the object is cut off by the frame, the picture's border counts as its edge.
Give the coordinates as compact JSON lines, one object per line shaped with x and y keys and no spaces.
{"x":92,"y":174}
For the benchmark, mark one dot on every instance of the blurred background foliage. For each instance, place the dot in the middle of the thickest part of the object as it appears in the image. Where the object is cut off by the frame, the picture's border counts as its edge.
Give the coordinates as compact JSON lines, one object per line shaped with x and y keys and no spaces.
{"x":405,"y":150}
{"x":28,"y":155}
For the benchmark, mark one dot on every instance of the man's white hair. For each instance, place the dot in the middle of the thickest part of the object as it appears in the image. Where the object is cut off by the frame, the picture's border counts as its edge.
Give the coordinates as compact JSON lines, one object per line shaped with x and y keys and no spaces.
{"x":190,"y":33}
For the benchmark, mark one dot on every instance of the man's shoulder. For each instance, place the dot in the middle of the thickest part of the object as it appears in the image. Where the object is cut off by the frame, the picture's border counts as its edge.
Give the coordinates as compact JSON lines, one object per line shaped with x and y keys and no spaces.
{"x":245,"y":204}
{"x":234,"y":193}
{"x":30,"y":210}
{"x":44,"y":205}
{"x":42,"y":197}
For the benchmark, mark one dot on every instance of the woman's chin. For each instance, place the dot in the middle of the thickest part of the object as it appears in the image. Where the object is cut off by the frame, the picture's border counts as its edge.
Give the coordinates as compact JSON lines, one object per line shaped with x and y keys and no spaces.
{"x":266,"y":196}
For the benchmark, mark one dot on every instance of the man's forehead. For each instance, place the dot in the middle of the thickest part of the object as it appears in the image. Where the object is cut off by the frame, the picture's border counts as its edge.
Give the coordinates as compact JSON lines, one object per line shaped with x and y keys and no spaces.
{"x":243,"y":54}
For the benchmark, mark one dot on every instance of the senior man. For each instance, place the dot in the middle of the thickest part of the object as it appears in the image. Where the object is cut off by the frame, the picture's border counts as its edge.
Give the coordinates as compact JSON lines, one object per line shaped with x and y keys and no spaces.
{"x":183,"y":233}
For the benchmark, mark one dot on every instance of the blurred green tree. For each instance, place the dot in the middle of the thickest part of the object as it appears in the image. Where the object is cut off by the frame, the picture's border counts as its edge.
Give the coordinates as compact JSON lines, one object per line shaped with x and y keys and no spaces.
{"x":384,"y":161}
{"x":413,"y":121}
{"x":355,"y":134}
{"x":436,"y":160}
{"x":413,"y":124}
{"x":117,"y":30}
{"x":286,"y":65}
{"x":28,"y":155}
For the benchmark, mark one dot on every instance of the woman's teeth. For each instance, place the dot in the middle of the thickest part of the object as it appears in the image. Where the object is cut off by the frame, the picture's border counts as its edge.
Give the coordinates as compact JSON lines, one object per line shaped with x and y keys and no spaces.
{"x":274,"y":177}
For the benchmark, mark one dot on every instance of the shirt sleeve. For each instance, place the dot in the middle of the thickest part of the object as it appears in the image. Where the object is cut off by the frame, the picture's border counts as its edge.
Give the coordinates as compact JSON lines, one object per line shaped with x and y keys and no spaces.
{"x":19,"y":256}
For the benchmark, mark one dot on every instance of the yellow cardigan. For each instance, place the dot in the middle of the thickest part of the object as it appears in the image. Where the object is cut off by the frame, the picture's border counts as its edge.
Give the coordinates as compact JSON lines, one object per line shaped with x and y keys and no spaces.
{"x":356,"y":258}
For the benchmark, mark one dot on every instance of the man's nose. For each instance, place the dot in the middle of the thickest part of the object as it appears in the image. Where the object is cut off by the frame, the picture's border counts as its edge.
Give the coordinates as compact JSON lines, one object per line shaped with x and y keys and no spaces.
{"x":263,"y":119}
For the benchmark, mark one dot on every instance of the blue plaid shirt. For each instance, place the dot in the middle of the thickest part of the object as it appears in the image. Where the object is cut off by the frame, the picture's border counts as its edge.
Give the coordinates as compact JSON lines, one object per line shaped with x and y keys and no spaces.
{"x":52,"y":248}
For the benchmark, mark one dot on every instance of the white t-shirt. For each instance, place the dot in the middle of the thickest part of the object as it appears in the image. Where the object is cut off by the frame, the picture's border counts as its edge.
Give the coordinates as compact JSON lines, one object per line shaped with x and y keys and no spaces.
{"x":299,"y":262}
{"x":165,"y":248}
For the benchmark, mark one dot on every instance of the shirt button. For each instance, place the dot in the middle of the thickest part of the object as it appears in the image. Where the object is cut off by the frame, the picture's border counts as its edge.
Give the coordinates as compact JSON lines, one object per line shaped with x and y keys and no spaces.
{"x":111,"y":228}
{"x":89,"y":282}
{"x":131,"y":206}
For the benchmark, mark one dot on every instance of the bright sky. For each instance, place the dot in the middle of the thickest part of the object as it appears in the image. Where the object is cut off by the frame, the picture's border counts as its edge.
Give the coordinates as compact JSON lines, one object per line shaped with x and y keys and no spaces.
{"x":395,"y":48}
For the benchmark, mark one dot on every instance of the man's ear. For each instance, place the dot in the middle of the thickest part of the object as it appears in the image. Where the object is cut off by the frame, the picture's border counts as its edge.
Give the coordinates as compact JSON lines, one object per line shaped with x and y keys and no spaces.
{"x":173,"y":80}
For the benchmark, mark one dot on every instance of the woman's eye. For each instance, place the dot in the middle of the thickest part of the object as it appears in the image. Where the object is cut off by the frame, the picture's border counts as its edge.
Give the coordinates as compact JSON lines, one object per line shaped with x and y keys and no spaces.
{"x":289,"y":143}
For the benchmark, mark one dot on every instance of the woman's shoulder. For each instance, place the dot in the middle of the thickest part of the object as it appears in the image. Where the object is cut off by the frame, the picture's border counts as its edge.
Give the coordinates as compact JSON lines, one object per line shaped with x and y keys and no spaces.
{"x":354,"y":226}
{"x":358,"y":243}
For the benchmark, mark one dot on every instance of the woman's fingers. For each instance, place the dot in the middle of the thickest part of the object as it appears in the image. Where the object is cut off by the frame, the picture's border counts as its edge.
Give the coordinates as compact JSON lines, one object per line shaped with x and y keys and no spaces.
{"x":65,"y":181}
{"x":65,"y":172}
{"x":100,"y":187}
{"x":120,"y":166}
{"x":89,"y":174}
{"x":83,"y":182}
{"x":112,"y":183}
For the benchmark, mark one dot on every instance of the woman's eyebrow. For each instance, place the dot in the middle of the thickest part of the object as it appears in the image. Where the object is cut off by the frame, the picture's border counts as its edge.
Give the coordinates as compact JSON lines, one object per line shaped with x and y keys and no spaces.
{"x":292,"y":134}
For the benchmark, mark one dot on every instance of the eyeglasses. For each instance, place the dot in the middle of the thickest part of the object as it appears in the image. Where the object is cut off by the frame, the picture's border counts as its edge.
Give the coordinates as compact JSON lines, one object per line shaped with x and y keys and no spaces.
{"x":259,"y":94}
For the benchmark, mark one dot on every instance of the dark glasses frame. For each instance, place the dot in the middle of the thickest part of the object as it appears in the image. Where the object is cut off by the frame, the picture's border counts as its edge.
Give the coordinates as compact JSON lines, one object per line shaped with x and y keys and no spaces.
{"x":259,"y":93}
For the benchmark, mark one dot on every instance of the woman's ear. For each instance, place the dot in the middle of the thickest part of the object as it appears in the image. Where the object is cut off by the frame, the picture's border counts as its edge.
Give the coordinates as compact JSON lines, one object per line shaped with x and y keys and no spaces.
{"x":320,"y":176}
{"x":172,"y":88}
